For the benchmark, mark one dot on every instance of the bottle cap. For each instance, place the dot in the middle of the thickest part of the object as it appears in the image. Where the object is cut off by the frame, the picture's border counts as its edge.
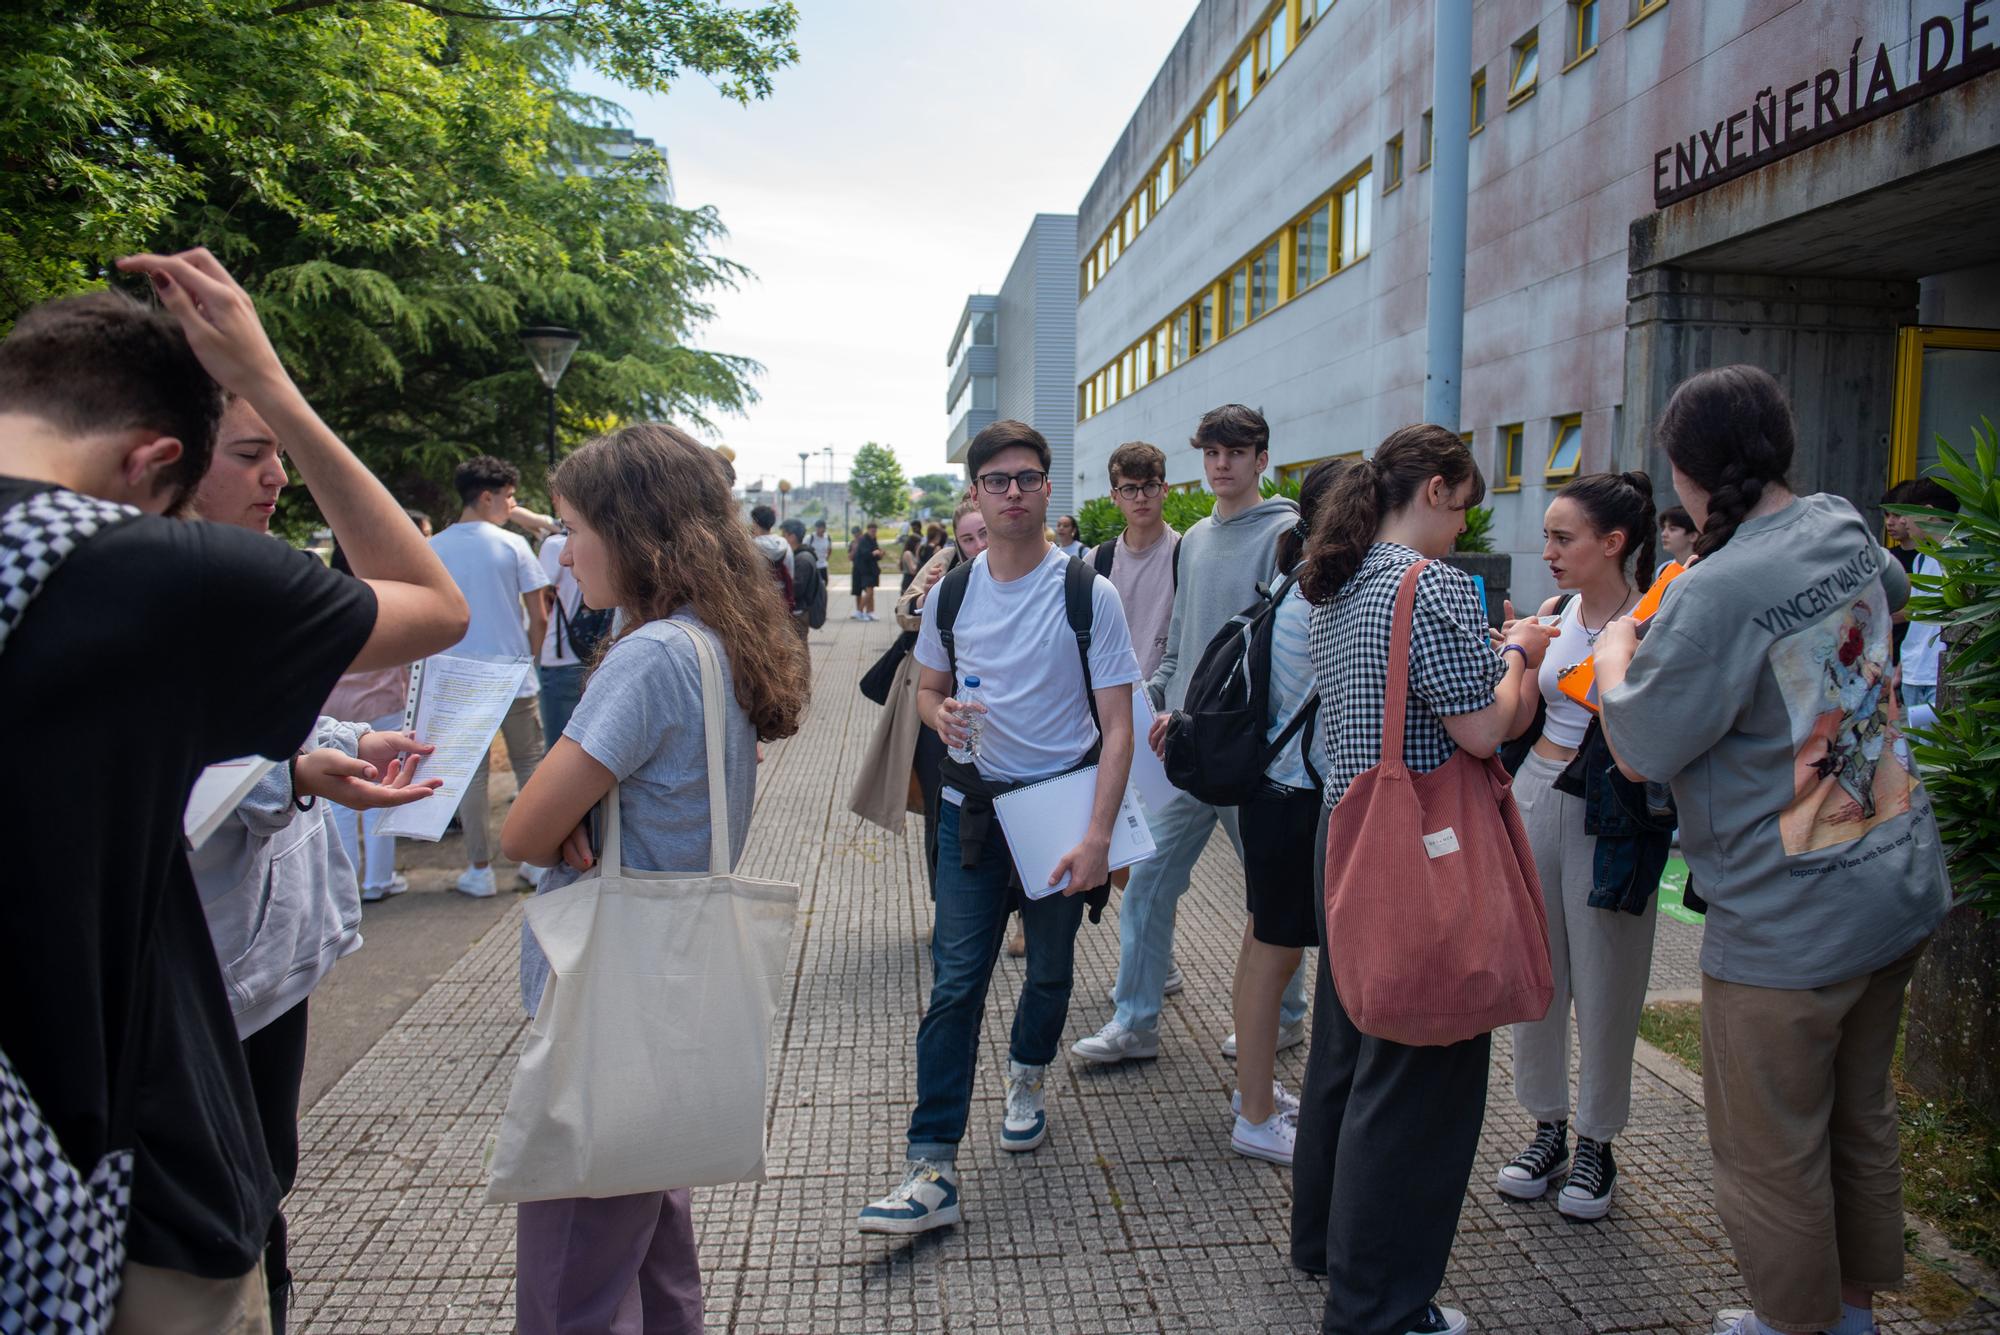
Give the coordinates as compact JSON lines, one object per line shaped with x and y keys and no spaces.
{"x":972,"y":681}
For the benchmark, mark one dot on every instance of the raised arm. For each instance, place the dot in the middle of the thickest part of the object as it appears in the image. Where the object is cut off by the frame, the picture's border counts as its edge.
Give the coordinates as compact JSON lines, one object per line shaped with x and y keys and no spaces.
{"x":419,"y":611}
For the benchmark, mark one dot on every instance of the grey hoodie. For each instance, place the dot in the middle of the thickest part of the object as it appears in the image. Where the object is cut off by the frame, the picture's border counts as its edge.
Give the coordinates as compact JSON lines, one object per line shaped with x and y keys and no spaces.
{"x":1222,"y":563}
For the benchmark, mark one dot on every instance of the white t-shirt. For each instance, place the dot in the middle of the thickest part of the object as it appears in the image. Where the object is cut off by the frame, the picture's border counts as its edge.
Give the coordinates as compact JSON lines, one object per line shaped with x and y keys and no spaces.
{"x":493,"y":569}
{"x":1923,"y":646}
{"x":822,"y":547}
{"x":568,"y":593}
{"x":1015,"y":638}
{"x":1292,"y":684}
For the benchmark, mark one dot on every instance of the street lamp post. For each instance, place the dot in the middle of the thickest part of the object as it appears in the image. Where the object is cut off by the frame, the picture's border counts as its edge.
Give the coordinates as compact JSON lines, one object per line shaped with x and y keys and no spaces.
{"x":550,"y":347}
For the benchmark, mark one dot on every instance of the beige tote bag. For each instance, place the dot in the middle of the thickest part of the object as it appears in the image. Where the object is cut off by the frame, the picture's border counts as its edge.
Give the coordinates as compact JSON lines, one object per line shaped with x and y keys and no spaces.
{"x":645,"y":1066}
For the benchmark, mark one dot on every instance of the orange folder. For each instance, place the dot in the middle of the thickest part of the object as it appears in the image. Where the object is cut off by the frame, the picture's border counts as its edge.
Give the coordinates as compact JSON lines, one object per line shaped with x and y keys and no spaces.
{"x":1578,"y":681}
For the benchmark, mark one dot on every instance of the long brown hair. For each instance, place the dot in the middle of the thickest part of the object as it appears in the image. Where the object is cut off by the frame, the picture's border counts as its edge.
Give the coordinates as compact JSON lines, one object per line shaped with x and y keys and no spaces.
{"x":1372,"y":490}
{"x":669,"y":526}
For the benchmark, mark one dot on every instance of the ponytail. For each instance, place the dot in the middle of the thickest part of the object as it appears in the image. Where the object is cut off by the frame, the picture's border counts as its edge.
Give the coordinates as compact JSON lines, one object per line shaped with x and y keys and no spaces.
{"x":1730,"y":431}
{"x":1313,"y":492}
{"x":1369,"y":491}
{"x":1621,"y":503}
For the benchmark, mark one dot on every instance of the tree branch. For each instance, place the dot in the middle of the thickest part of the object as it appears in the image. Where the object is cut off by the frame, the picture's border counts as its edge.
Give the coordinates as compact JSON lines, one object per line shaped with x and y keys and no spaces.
{"x":442,"y":11}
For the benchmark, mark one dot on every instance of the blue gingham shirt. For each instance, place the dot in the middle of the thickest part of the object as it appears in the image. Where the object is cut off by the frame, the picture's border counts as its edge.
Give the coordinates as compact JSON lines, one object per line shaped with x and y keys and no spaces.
{"x":1453,"y":668}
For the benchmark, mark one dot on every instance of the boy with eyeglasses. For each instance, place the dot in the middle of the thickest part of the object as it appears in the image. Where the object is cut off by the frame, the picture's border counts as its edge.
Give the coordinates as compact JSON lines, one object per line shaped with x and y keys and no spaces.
{"x":1142,"y":563}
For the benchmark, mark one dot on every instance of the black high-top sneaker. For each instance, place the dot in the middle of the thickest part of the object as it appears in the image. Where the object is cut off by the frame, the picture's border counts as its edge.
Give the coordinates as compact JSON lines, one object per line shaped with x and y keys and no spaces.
{"x":1587,"y":1194}
{"x":1529,"y":1175}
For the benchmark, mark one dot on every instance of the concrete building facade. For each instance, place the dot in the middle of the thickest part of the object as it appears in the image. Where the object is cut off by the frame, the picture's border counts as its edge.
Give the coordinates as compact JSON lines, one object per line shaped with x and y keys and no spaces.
{"x":1656,"y":186}
{"x":1014,"y":355}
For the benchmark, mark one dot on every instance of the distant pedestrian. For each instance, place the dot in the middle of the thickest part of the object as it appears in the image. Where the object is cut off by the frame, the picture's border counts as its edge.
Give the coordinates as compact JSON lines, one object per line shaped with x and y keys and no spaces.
{"x":1067,"y":540}
{"x":1677,"y":534}
{"x":821,"y":544}
{"x":908,"y":561}
{"x":867,"y":556}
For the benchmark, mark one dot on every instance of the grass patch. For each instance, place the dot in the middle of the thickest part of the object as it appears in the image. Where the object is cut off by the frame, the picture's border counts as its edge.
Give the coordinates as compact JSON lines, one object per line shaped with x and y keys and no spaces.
{"x":1674,"y":1027}
{"x":1951,"y":1155}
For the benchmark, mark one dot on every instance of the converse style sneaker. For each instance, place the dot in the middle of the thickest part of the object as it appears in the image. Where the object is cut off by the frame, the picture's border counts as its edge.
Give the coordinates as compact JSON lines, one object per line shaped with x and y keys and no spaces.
{"x":1289,"y":1036}
{"x":1283,"y":1101}
{"x":1440,"y":1321}
{"x":1175,"y":982}
{"x":927,"y":1198}
{"x":1587,"y":1194}
{"x":1115,"y":1043}
{"x":1026,"y":1124}
{"x":1269,"y":1140}
{"x":1528,"y":1177}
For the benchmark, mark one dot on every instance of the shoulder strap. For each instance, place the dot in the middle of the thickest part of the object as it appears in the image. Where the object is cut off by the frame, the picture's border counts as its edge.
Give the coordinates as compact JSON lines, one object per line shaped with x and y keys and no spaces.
{"x":1078,"y":580}
{"x":37,"y":535}
{"x":716,"y":750}
{"x":1177,"y":563}
{"x":1396,"y":696}
{"x":1107,"y":551}
{"x":951,"y":596}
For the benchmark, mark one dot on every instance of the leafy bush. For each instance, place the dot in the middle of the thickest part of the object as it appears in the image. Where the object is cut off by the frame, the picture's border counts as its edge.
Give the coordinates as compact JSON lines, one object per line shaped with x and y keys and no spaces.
{"x":1099,"y":521}
{"x":1960,"y":754}
{"x":1478,"y":535}
{"x":1183,"y":509}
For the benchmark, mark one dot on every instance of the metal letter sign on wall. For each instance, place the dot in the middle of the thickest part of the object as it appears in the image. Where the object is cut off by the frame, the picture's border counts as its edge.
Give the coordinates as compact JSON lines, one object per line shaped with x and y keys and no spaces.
{"x":1950,"y":49}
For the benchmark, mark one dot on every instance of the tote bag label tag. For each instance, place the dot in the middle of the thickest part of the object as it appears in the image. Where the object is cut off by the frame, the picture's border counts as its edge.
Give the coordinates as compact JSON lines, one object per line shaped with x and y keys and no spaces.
{"x":1443,"y":842}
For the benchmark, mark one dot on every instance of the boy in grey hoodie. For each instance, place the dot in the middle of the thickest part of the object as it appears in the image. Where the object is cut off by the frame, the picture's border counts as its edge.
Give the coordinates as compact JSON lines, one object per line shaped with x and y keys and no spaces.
{"x":1223,"y":559}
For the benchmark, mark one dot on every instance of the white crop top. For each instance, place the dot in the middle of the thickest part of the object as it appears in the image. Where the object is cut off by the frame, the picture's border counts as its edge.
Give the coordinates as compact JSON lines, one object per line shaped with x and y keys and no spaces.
{"x":1566,"y":720}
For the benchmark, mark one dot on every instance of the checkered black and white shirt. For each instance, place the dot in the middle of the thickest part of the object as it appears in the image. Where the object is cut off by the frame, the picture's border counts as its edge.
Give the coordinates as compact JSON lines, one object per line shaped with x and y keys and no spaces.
{"x":1453,"y":668}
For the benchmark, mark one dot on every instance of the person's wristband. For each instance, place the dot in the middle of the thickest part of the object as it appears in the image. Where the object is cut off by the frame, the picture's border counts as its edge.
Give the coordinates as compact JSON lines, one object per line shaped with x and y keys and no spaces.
{"x":1506,"y":649}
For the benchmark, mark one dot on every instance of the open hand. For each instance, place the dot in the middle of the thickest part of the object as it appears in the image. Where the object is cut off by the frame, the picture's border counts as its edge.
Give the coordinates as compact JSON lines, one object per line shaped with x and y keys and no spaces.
{"x":218,"y":317}
{"x":380,"y":748}
{"x":354,"y":783}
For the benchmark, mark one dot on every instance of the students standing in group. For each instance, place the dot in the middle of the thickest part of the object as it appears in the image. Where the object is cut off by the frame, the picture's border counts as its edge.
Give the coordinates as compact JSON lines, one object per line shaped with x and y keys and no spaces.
{"x":1142,"y":562}
{"x":112,"y":1008}
{"x":1761,"y":692}
{"x":1677,"y":534}
{"x":1597,"y":537}
{"x":1279,"y":824}
{"x":1222,"y":559}
{"x":1043,"y":712}
{"x":1387,"y":1131}
{"x":654,"y":533}
{"x":502,"y":582}
{"x":866,"y":555}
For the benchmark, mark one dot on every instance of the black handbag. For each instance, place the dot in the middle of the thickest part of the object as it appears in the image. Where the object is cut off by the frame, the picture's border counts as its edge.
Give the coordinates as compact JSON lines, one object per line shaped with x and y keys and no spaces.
{"x":877,"y":680}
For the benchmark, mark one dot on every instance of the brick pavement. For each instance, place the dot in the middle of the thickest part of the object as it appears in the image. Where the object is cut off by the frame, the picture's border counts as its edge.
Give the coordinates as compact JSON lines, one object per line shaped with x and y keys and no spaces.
{"x":1134,"y":1216}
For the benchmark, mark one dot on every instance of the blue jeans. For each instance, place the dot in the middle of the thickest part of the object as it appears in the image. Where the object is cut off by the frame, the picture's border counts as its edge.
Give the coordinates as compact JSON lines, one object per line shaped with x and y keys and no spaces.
{"x":1146,"y":914}
{"x":972,"y":908}
{"x":1914,"y":695}
{"x":562,"y":687}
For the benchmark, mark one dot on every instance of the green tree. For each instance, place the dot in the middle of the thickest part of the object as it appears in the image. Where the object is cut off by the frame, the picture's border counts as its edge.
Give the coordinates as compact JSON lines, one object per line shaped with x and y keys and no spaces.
{"x":401,"y":187}
{"x":877,"y":482}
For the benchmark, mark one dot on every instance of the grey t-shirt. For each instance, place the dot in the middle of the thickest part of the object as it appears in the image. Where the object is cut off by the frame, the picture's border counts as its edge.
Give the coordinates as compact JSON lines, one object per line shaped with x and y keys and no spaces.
{"x":641,"y":718}
{"x":1761,"y":692}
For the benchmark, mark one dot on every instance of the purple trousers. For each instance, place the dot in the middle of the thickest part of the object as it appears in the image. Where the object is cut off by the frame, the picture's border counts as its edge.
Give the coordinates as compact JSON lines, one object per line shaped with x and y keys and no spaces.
{"x":625,"y":1265}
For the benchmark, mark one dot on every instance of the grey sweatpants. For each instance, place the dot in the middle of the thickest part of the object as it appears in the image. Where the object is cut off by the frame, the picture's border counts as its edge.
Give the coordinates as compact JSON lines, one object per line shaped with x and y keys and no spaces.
{"x":1601,"y":959}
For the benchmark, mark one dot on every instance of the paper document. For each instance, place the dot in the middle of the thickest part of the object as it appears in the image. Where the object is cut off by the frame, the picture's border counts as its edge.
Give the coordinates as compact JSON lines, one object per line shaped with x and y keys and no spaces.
{"x":1046,"y":820}
{"x":1149,"y":776}
{"x":216,"y":792}
{"x":460,"y":704}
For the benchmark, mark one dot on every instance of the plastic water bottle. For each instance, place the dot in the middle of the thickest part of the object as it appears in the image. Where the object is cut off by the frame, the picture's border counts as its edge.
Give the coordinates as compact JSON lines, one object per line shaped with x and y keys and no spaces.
{"x":974,"y":721}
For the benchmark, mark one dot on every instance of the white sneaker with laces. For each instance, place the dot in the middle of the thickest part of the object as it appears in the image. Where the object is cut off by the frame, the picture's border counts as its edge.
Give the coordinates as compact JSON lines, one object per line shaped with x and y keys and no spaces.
{"x":927,"y":1198}
{"x":375,"y":894}
{"x":1115,"y":1043}
{"x":1026,"y":1124}
{"x":1283,"y":1100}
{"x":1289,"y":1036}
{"x":1269,"y":1140}
{"x":476,"y":883}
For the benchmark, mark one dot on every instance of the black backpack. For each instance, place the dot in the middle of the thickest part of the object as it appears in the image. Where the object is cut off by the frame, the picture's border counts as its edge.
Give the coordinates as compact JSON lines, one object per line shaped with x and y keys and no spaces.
{"x":582,"y":632}
{"x":809,"y":587}
{"x":1107,"y":551}
{"x":1215,"y":747}
{"x":1077,"y":581}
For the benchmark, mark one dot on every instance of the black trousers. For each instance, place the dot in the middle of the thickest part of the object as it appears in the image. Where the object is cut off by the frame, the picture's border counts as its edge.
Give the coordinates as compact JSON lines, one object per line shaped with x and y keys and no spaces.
{"x":276,"y":1056}
{"x":1386,"y":1139}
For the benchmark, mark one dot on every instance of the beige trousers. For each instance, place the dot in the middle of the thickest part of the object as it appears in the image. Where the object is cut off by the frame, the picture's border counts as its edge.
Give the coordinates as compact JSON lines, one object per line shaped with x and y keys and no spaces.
{"x":522,"y":730}
{"x":1802,"y":1124}
{"x":152,"y":1301}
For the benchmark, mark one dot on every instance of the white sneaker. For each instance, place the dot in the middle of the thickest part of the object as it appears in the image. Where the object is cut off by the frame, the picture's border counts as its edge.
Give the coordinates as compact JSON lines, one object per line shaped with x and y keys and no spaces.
{"x":1172,"y":986}
{"x":927,"y":1198}
{"x":476,"y":883}
{"x":528,"y":875}
{"x":1269,"y":1140}
{"x":1289,"y":1036}
{"x":858,"y":616}
{"x":1026,"y":1124}
{"x":374,"y":894}
{"x":1283,"y":1101}
{"x":1115,"y":1043}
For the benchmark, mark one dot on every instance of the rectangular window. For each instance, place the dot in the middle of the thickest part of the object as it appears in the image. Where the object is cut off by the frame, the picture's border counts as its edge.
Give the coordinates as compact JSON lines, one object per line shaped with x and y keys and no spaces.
{"x":1162,"y":361}
{"x":1314,"y":233}
{"x":1185,"y":162}
{"x":1582,"y":29}
{"x":1507,"y":444}
{"x":1210,"y":127}
{"x":1142,"y":371}
{"x":1424,"y":144}
{"x":1392,"y":164}
{"x":1144,"y":204}
{"x":1641,"y":8}
{"x":1264,"y":281}
{"x":1566,"y":446}
{"x":1163,"y":184}
{"x":1273,"y":50}
{"x":1180,"y":348}
{"x":1131,"y":221}
{"x":1364,"y":224}
{"x":1350,"y":226}
{"x":1240,"y":86}
{"x":1308,"y":11}
{"x":1204,"y":321}
{"x":1479,"y":101}
{"x":1527,"y":56}
{"x":985,"y":391}
{"x":1238,"y":311}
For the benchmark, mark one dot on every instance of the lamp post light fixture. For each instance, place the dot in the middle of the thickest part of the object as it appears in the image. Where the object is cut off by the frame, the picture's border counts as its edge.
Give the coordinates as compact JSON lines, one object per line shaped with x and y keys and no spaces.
{"x":550,"y":347}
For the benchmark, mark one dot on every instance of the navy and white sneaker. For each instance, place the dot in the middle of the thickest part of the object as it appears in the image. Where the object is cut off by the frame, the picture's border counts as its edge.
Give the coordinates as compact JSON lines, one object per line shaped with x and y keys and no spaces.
{"x":1026,"y":1124}
{"x":1440,"y":1321}
{"x":1527,"y":1178}
{"x":1587,"y":1194}
{"x":927,"y":1198}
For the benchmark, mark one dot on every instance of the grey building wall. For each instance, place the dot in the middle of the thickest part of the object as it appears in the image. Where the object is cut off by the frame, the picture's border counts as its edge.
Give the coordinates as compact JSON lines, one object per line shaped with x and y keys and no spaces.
{"x":1038,"y":346}
{"x":964,"y":361}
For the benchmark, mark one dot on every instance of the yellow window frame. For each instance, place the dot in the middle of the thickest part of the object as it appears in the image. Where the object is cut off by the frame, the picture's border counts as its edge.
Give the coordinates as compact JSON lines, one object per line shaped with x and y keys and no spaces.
{"x":1912,"y":341}
{"x":1392,"y":163}
{"x":1578,"y":52}
{"x":1644,"y":9}
{"x":1508,"y":445}
{"x":1557,"y":435}
{"x":1516,"y":93}
{"x":1478,"y":102}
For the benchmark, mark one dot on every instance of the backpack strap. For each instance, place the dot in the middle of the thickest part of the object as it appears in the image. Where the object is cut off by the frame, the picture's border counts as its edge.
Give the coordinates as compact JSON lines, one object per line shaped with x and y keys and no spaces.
{"x":950,"y":594}
{"x":1078,"y":580}
{"x":1177,"y":564}
{"x":1106,"y":552}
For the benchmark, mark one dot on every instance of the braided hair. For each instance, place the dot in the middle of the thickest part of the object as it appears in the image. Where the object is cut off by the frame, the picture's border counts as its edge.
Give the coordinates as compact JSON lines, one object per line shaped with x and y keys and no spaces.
{"x":1730,"y":430}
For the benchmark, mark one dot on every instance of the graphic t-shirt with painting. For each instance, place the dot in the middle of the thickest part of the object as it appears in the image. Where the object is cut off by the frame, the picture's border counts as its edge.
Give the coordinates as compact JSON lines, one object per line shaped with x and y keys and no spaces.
{"x":1761,"y":691}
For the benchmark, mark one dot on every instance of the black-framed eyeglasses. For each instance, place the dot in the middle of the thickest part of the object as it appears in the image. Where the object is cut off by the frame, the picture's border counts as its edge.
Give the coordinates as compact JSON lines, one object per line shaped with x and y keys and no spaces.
{"x":1132,"y":491}
{"x":1028,"y":479}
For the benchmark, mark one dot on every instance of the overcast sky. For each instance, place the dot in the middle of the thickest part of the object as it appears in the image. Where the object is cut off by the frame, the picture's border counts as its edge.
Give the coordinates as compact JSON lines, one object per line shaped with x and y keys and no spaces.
{"x":893,"y":171}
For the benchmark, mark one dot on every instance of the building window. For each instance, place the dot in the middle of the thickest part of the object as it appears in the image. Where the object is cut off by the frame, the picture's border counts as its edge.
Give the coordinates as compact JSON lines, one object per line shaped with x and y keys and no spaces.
{"x":1314,"y":233}
{"x":1479,"y":101}
{"x":1238,"y":310}
{"x":1308,"y":11}
{"x":1271,"y":46}
{"x":1392,"y":164}
{"x":1178,"y":349}
{"x":1507,"y":445}
{"x":1184,"y":163}
{"x":985,"y":329}
{"x":1264,"y":292}
{"x":985,"y":391}
{"x":1356,"y":224}
{"x":1642,"y":8}
{"x":1163,"y":361}
{"x":1204,"y":321}
{"x":1424,"y":144}
{"x":1527,"y":57}
{"x":1210,"y":125}
{"x":1240,"y":86}
{"x":1296,"y":472}
{"x":1566,"y":446}
{"x":1582,"y":29}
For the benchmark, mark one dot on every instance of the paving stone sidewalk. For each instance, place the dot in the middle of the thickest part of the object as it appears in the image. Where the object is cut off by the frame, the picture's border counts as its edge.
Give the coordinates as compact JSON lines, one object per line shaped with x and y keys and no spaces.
{"x":1135,"y":1216}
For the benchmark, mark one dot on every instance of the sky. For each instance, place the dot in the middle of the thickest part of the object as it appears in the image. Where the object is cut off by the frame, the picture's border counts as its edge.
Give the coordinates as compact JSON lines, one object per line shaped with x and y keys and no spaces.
{"x":893,"y":171}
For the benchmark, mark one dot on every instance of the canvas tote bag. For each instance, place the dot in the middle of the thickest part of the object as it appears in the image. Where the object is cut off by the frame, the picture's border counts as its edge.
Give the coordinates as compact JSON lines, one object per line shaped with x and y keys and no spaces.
{"x":644,"y":1068}
{"x":1435,"y":928}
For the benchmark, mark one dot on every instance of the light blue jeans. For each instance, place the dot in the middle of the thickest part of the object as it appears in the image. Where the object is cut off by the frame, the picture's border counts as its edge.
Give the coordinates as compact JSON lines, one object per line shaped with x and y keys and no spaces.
{"x":1146,"y":913}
